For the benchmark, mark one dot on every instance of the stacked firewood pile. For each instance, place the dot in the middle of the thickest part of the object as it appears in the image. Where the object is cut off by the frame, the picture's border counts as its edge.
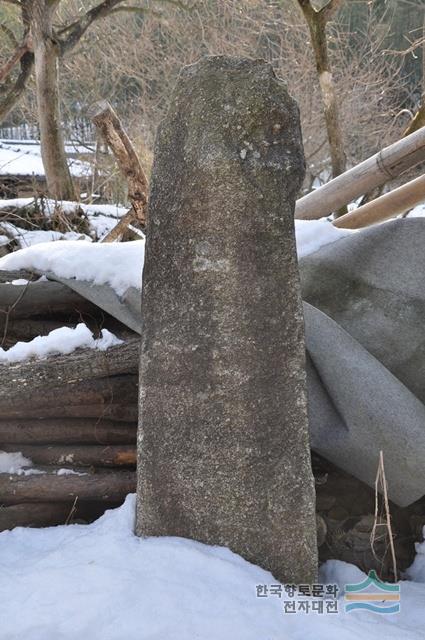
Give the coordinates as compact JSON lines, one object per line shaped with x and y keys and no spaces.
{"x":74,"y":416}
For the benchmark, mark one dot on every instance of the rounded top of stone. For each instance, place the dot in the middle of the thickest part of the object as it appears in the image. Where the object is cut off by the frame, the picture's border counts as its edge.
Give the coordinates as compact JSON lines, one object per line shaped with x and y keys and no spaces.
{"x":230,"y":63}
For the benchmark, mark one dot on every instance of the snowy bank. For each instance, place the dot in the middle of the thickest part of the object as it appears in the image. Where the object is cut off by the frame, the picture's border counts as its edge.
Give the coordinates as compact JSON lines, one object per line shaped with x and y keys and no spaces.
{"x":99,"y":581}
{"x":64,"y":340}
{"x":117,"y":264}
{"x":120,"y":264}
{"x":25,"y":160}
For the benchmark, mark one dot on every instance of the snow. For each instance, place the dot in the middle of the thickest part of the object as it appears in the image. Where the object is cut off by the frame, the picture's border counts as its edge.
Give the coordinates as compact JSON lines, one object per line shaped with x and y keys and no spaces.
{"x":417,"y":571}
{"x":34,"y":145}
{"x":64,"y":340}
{"x":311,"y":235}
{"x":101,"y":218}
{"x":69,"y":472}
{"x":13,"y":462}
{"x":417,"y":212}
{"x":118,"y":264}
{"x":27,"y":238}
{"x":121,"y":264}
{"x":100,"y":581}
{"x":25,"y":160}
{"x":19,"y":282}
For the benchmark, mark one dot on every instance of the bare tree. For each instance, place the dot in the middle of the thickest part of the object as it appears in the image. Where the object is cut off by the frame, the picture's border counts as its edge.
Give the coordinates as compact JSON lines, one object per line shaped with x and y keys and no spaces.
{"x":138,"y":78}
{"x":42,"y":47}
{"x":46,"y":53}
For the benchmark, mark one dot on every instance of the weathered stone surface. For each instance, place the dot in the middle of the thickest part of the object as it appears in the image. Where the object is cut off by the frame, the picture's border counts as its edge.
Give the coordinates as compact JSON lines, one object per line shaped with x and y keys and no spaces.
{"x":223,"y":438}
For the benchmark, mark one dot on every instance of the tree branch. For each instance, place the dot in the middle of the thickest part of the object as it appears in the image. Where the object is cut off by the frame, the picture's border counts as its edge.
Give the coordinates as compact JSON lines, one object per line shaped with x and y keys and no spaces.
{"x":106,"y":8}
{"x":330,"y":9}
{"x":135,"y":10}
{"x":16,"y":91}
{"x":77,"y":29}
{"x":15,"y":57}
{"x":9,"y":33}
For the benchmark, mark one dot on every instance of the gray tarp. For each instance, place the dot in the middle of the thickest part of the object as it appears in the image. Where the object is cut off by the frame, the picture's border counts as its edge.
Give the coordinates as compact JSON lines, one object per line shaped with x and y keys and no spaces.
{"x":365,"y":331}
{"x":365,"y":334}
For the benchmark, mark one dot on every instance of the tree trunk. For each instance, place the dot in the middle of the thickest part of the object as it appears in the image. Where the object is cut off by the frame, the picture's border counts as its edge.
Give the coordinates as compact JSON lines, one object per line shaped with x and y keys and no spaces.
{"x":46,"y":52}
{"x":317,"y":21}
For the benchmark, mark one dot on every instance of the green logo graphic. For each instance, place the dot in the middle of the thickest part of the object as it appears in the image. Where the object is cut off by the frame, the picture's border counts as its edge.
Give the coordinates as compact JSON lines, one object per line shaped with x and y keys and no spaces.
{"x":373,"y":595}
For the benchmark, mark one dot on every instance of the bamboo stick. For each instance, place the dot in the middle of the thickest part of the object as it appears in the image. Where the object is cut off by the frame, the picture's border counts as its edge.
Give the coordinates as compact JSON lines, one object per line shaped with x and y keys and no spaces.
{"x":387,"y":206}
{"x":386,"y":165}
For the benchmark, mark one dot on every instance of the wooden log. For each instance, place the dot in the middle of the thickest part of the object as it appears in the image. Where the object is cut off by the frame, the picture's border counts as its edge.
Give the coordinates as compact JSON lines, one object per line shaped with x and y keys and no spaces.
{"x":100,"y":397}
{"x":9,"y":275}
{"x":45,"y":299}
{"x":389,"y":163}
{"x":78,"y":456}
{"x":66,"y":431}
{"x":110,"y":128}
{"x":387,"y":206}
{"x":107,"y":486}
{"x":121,"y":228}
{"x":113,"y":411}
{"x":48,"y":514}
{"x":23,"y":379}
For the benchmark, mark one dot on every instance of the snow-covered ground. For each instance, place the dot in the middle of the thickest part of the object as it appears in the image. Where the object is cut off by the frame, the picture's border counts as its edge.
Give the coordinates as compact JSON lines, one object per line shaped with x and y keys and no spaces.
{"x":25,"y":160}
{"x":101,"y":582}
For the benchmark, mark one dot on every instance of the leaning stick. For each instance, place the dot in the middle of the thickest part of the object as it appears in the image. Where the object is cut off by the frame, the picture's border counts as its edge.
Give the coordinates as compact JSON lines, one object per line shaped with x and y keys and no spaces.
{"x":366,"y":176}
{"x":110,"y":128}
{"x":387,"y":206}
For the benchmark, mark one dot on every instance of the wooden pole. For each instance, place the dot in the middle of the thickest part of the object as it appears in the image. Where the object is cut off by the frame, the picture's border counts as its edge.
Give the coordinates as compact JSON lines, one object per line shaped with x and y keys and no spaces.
{"x":44,"y":514}
{"x":109,"y":126}
{"x":386,"y":165}
{"x":387,"y":206}
{"x":50,"y":487}
{"x":65,"y":431}
{"x":78,"y":455}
